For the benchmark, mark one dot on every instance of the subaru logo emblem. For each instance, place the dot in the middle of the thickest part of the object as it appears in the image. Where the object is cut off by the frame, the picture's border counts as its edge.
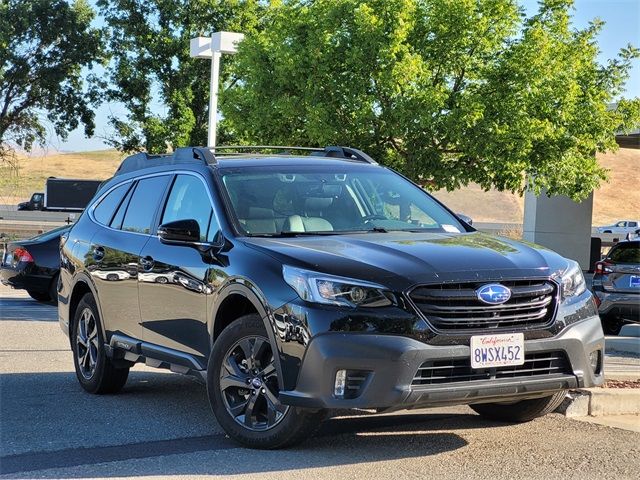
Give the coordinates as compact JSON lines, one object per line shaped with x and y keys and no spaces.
{"x":493,"y":294}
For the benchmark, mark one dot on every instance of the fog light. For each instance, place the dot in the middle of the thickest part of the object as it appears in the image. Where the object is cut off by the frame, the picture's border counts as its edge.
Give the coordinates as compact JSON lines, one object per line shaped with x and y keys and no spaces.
{"x":341,"y":381}
{"x":595,"y":359}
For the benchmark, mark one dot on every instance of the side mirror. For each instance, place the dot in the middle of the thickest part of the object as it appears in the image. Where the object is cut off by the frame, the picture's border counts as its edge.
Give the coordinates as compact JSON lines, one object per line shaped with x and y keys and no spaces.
{"x":182,"y":231}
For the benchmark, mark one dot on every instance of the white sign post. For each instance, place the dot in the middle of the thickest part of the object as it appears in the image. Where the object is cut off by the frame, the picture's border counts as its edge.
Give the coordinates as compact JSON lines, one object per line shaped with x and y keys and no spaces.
{"x":213,"y":47}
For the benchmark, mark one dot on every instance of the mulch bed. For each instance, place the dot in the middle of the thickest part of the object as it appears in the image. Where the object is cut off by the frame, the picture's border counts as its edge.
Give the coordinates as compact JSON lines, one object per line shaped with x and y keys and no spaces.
{"x":622,"y":384}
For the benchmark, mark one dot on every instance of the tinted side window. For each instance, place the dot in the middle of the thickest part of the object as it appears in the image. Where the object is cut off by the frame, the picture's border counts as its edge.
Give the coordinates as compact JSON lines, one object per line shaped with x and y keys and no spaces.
{"x":632,"y":224}
{"x":144,"y":203}
{"x":107,"y":206}
{"x":189,"y":200}
{"x":119,"y":216}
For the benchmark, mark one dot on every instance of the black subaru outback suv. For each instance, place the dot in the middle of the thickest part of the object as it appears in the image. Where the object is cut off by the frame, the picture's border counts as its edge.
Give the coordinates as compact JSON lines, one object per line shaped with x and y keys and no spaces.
{"x":294,"y":284}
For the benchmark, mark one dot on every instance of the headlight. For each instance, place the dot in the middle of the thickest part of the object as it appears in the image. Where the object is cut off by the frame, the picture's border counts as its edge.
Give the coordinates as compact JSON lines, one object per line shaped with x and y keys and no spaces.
{"x":322,"y":288}
{"x":572,"y":281}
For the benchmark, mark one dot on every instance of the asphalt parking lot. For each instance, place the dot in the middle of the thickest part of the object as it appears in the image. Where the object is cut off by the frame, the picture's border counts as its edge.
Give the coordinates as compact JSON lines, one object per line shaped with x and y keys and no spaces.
{"x":160,"y":426}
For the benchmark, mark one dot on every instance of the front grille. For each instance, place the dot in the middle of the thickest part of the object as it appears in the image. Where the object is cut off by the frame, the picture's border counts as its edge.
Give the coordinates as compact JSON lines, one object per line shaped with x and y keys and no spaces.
{"x":455,"y":306}
{"x":459,"y":370}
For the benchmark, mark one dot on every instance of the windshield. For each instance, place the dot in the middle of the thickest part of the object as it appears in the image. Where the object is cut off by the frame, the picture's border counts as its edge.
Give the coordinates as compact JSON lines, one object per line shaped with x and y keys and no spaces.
{"x":303,"y":200}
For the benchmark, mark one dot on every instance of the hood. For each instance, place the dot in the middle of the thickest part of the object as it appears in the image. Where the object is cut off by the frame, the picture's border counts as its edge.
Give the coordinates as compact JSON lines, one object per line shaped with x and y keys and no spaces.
{"x":401,"y":259}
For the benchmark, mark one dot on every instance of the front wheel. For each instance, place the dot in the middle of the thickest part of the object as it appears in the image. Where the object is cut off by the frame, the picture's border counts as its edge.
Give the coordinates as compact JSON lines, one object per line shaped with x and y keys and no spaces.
{"x":522,"y":411}
{"x":243,"y":386}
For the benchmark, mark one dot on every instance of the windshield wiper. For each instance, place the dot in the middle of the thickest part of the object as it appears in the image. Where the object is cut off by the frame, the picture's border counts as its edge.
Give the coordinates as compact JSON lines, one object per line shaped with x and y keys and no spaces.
{"x":378,"y":230}
{"x":289,"y":233}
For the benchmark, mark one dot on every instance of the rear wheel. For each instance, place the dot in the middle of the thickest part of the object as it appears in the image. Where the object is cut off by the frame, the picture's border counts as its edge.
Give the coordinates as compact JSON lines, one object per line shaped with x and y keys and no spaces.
{"x":522,"y":411}
{"x":39,"y":296}
{"x":95,"y":371}
{"x":243,"y":386}
{"x":611,"y":325}
{"x":53,"y":290}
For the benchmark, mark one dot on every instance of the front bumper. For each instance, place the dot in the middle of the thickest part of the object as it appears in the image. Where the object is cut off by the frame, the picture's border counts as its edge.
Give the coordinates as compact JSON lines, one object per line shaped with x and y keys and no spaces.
{"x":392,"y":363}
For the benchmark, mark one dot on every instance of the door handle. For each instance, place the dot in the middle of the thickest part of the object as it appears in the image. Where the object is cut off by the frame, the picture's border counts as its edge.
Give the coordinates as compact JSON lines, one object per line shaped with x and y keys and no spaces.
{"x":146,"y":263}
{"x":98,"y":253}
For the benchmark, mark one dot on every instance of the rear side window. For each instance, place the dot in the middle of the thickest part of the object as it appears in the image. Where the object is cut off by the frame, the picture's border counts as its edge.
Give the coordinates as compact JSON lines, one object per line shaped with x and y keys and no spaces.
{"x":144,"y":203}
{"x":628,"y":252}
{"x":633,"y":224}
{"x":189,"y":200}
{"x":107,"y":206}
{"x":119,"y":216}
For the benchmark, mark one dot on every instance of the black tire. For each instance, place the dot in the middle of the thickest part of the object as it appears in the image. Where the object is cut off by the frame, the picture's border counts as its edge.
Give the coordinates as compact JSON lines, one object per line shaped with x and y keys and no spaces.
{"x":293,"y":424}
{"x":522,"y":411}
{"x":611,"y":325}
{"x":39,"y":296}
{"x":96,"y":373}
{"x":53,"y":290}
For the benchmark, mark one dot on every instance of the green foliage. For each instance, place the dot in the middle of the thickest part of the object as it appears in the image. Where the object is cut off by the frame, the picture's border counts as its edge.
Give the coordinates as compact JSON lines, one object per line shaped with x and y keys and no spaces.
{"x":447,"y":91}
{"x":47,"y":51}
{"x":151,"y":69}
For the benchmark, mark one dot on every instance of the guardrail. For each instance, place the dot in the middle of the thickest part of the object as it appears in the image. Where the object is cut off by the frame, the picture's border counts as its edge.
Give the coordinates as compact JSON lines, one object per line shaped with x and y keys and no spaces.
{"x":25,"y":224}
{"x":22,"y":224}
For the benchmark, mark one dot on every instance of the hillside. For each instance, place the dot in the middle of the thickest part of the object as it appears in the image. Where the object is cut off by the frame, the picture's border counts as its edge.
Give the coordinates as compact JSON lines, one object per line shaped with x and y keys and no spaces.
{"x":17,"y":184}
{"x":615,"y":200}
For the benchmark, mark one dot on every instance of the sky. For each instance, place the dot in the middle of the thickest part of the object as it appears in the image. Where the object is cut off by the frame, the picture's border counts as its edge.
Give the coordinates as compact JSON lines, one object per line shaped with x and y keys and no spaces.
{"x":622,"y":26}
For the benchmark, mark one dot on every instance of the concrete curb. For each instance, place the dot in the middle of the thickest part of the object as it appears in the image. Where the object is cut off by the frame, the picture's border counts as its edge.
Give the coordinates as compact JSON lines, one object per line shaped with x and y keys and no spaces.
{"x":596,"y":402}
{"x":628,"y":341}
{"x":629,"y":345}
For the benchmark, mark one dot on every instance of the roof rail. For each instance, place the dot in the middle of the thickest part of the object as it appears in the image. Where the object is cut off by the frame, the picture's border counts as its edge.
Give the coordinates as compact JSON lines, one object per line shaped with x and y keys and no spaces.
{"x":267,"y":147}
{"x":207,"y":156}
{"x":142,"y":160}
{"x":328,"y":151}
{"x":349,"y":153}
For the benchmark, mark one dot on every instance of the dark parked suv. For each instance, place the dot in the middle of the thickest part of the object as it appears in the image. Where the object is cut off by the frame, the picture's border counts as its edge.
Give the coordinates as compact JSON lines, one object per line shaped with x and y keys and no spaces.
{"x":616,"y":286}
{"x":294,"y":284}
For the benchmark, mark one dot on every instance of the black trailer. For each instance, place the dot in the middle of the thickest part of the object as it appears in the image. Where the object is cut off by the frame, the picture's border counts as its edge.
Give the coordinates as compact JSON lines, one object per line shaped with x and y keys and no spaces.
{"x":63,"y":194}
{"x":68,"y":193}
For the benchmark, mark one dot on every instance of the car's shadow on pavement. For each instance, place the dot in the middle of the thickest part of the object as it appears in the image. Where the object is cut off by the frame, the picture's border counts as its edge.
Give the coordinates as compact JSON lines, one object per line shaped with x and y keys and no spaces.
{"x":49,"y":422}
{"x":26,"y":309}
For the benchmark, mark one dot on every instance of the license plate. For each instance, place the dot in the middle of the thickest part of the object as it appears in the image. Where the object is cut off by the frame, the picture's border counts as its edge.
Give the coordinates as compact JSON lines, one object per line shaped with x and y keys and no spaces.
{"x":497,"y":350}
{"x":634,"y":281}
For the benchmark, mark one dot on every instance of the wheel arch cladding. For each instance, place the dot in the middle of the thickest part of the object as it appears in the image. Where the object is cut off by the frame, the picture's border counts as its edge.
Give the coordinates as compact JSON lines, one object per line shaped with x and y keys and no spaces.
{"x":234,"y":306}
{"x":80,"y":289}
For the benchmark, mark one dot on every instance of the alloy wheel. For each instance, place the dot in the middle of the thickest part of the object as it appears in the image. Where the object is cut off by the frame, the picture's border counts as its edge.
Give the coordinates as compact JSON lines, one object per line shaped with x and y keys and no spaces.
{"x":249,"y":384}
{"x":87,"y":343}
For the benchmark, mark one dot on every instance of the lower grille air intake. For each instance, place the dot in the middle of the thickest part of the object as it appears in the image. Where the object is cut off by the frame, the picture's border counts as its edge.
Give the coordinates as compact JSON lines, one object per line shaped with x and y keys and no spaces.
{"x":459,"y":370}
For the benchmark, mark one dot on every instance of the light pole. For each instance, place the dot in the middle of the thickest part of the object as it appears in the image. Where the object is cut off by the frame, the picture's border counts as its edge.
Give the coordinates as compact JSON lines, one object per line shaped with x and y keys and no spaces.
{"x":213,"y":47}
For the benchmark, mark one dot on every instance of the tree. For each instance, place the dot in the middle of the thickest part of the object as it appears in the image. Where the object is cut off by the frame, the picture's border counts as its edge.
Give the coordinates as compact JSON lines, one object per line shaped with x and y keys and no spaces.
{"x":151,"y":69}
{"x":447,"y":91}
{"x":47,"y":50}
